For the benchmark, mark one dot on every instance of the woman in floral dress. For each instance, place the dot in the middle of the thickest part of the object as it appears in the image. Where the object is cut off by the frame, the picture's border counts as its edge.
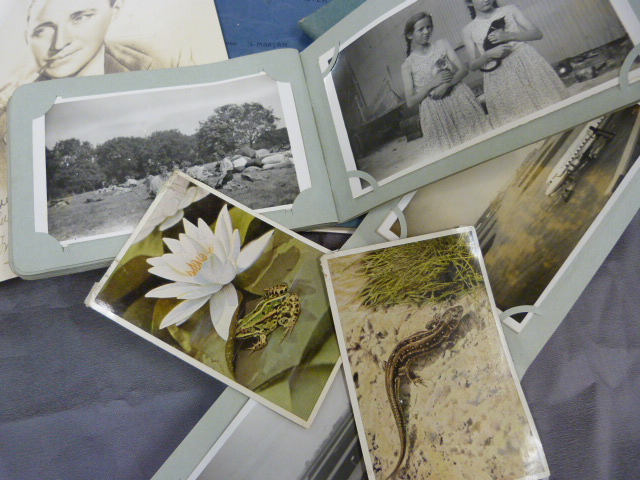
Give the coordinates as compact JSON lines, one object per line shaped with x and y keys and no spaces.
{"x":431,"y":75}
{"x":517,"y":79}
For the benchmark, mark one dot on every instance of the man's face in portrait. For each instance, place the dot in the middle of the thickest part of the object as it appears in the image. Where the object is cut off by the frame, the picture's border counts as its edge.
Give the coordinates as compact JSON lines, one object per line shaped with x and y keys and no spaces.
{"x":66,"y":37}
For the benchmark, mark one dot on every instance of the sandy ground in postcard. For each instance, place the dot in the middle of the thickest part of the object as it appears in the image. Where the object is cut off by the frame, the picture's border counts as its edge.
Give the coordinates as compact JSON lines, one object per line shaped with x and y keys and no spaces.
{"x":466,"y":421}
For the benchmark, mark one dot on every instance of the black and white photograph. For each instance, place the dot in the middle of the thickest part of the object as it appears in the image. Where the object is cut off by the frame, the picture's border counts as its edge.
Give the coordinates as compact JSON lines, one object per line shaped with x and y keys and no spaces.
{"x":432,"y":78}
{"x":52,"y":39}
{"x":107,"y":157}
{"x":328,"y":450}
{"x":532,"y":207}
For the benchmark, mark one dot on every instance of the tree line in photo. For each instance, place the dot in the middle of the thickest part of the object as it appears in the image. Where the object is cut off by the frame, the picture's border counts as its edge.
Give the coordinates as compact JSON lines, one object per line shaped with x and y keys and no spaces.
{"x":75,"y":166}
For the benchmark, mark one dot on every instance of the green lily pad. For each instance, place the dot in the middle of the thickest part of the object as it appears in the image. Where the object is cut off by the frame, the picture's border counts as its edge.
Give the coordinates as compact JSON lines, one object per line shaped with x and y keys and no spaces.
{"x":280,"y":394}
{"x":160,"y":310}
{"x":306,"y":382}
{"x":199,"y":340}
{"x":151,"y":246}
{"x":328,"y":354}
{"x":124,"y":280}
{"x":306,"y":388}
{"x":140,"y":313}
{"x":279,"y":263}
{"x":308,"y":336}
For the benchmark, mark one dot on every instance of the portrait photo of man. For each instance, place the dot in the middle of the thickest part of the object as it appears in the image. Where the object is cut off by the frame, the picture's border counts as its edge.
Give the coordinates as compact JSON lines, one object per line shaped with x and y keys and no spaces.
{"x":67,"y":38}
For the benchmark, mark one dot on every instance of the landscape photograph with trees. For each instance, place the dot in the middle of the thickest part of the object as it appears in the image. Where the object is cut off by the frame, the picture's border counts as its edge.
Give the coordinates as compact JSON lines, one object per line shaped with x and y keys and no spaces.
{"x":107,"y":158}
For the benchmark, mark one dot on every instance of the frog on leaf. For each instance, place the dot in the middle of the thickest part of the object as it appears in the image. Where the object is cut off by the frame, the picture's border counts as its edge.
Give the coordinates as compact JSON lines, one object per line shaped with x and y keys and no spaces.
{"x":277,"y":308}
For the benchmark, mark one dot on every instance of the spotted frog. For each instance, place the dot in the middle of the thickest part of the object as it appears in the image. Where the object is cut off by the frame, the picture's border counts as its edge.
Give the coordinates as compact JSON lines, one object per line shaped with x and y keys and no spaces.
{"x":277,"y":308}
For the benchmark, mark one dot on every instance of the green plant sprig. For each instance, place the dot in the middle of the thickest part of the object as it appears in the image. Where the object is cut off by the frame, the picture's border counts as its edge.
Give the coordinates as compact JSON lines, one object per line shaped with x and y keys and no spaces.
{"x":419,"y":273}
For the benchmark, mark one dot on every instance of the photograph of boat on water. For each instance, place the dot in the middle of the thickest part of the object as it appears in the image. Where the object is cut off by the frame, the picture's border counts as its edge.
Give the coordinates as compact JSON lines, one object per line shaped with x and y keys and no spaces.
{"x":431,"y":382}
{"x":532,"y":207}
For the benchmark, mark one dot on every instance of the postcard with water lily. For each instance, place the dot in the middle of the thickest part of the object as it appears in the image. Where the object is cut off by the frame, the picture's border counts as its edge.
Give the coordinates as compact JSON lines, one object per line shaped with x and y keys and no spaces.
{"x":231,"y":293}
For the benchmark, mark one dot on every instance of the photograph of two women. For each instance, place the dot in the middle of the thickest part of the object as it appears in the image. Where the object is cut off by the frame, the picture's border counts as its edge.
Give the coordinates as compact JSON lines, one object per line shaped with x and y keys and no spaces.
{"x":431,"y":76}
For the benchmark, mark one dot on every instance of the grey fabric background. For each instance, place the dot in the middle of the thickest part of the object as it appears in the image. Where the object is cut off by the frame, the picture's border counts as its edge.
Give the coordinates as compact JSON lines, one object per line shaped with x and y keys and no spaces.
{"x":80,"y":396}
{"x":584,"y":387}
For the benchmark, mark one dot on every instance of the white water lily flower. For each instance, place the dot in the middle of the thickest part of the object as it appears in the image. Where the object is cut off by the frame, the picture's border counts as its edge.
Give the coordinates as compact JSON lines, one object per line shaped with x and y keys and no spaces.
{"x":202,"y":264}
{"x":171,"y":210}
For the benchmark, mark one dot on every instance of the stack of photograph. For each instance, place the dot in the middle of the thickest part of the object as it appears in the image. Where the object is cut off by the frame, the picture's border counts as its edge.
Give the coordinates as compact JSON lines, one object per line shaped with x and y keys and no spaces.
{"x":364,"y":245}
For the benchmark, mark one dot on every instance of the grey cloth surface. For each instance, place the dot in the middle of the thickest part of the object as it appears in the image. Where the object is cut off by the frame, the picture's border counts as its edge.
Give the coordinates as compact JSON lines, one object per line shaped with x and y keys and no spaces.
{"x":81,"y":397}
{"x":584,"y":386}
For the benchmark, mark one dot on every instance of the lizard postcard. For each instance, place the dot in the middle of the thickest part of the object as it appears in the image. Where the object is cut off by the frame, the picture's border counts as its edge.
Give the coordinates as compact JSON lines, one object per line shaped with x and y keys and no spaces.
{"x":229,"y":292}
{"x":431,"y":382}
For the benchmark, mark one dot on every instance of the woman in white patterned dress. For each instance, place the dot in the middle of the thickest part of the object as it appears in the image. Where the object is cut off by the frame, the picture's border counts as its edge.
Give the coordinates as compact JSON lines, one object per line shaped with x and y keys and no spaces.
{"x":431,"y":74}
{"x":517,"y":79}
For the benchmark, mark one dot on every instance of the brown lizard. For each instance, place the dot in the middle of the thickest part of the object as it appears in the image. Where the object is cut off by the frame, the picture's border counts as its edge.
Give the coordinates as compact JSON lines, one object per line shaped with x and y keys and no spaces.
{"x":404,"y":353}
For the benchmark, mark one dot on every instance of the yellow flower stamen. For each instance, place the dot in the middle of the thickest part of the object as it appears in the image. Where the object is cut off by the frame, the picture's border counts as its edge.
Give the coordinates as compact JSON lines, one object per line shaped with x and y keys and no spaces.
{"x":196,"y":265}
